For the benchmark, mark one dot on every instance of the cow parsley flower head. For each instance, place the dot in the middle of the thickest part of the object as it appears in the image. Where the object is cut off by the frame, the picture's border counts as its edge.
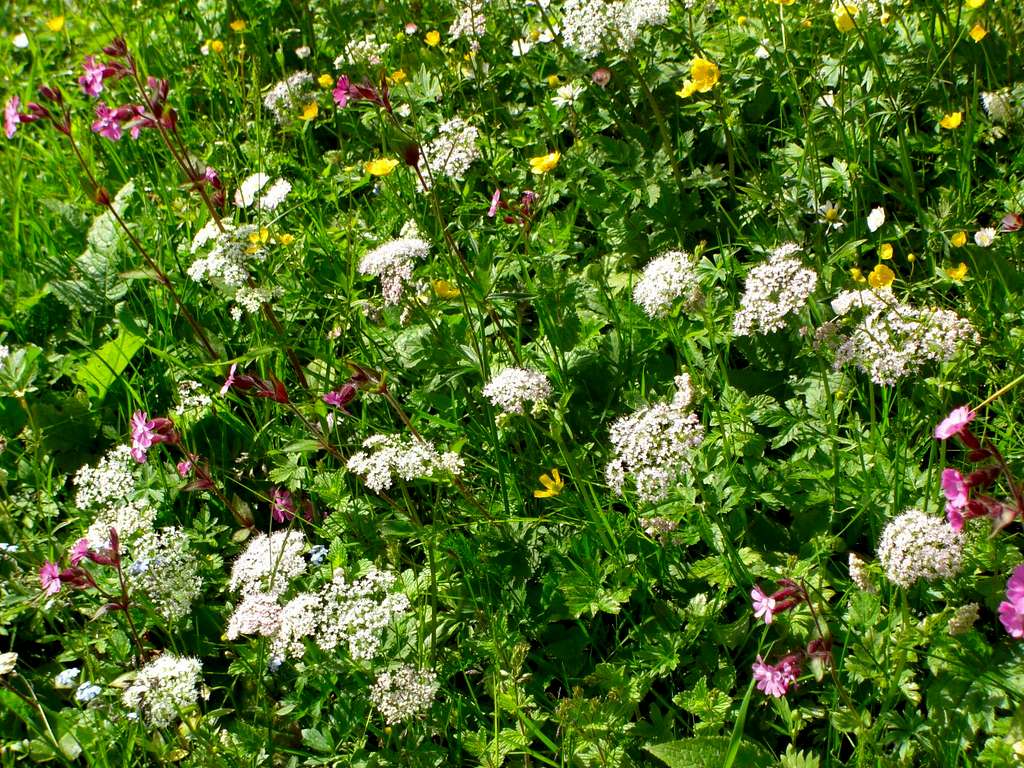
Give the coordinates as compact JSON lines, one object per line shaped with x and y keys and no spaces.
{"x":269,"y":563}
{"x":130,"y":518}
{"x":403,"y":693}
{"x":391,"y":456}
{"x":774,"y":290}
{"x":451,"y":152}
{"x":258,"y":613}
{"x":112,"y":481}
{"x":916,"y":546}
{"x":367,"y":50}
{"x":588,"y":26}
{"x":669,"y":277}
{"x":163,"y":688}
{"x":512,"y":388}
{"x":653,"y":447}
{"x":393,"y":263}
{"x":165,"y":568}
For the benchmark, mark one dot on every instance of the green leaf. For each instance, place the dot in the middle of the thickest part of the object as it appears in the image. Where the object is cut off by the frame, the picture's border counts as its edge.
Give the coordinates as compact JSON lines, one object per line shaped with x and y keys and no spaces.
{"x":99,"y":372}
{"x":18,"y":371}
{"x":704,"y":751}
{"x":314,"y":739}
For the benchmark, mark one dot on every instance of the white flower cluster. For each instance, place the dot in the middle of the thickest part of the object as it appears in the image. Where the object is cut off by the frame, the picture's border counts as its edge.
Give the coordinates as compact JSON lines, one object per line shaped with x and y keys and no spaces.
{"x":470,"y":23}
{"x":666,"y":279}
{"x":404,"y":693}
{"x":367,"y":50}
{"x":286,"y":97}
{"x":999,"y":106}
{"x":233,"y":250}
{"x":341,"y":613}
{"x":251,"y":191}
{"x":259,"y":613}
{"x":163,"y":688}
{"x":859,"y":573}
{"x":589,"y":25}
{"x":393,"y":263}
{"x":893,"y":340}
{"x":251,"y":298}
{"x":112,"y":481}
{"x":450,"y":154}
{"x":654,"y":445}
{"x":963,"y":619}
{"x":390,"y":456}
{"x":774,"y":290}
{"x":512,"y":388}
{"x":269,"y":563}
{"x":916,"y":546}
{"x":130,"y":518}
{"x":191,"y":399}
{"x":165,"y":568}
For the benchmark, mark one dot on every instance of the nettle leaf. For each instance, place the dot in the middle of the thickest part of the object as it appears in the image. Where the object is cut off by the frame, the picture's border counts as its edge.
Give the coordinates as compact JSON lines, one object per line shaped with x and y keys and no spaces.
{"x":703,"y":751}
{"x":709,"y":705}
{"x":101,"y":369}
{"x":794,"y":759}
{"x":584,"y":594}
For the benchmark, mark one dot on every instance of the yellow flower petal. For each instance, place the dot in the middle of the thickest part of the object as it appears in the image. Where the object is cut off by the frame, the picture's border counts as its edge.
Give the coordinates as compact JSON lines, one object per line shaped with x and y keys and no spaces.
{"x":396,"y":77}
{"x":544,"y":163}
{"x":56,"y":24}
{"x":978,"y":33}
{"x":952,"y":120}
{"x":959,"y":239}
{"x":237,"y":25}
{"x":843,"y":15}
{"x":382,"y":166}
{"x":445,"y":290}
{"x":325,"y":81}
{"x":432,"y":38}
{"x":285,"y":239}
{"x":704,"y":74}
{"x":885,"y":251}
{"x":552,"y":483}
{"x":310,"y":111}
{"x":975,"y":4}
{"x":553,"y":81}
{"x":959,"y":272}
{"x":688,"y":89}
{"x":881,"y":276}
{"x":215,"y":45}
{"x":857,"y":275}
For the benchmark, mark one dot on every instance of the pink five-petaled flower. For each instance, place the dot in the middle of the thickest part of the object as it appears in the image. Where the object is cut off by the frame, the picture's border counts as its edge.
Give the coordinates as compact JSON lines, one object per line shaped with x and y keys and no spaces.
{"x":108,"y":122}
{"x":95,"y":72}
{"x":495,"y":199}
{"x":11,"y":116}
{"x":955,"y":489}
{"x":230,"y":380}
{"x":282,"y":508}
{"x":49,"y":577}
{"x":955,"y":423}
{"x":775,"y":679}
{"x":1011,"y":610}
{"x":147,"y":432}
{"x":343,"y":91}
{"x":764,"y":606}
{"x":340,"y":398}
{"x":80,"y":551}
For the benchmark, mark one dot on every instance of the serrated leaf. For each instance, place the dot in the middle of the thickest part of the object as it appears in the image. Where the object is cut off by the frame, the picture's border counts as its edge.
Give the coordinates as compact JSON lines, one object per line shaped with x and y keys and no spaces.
{"x":704,"y":751}
{"x":794,"y":759}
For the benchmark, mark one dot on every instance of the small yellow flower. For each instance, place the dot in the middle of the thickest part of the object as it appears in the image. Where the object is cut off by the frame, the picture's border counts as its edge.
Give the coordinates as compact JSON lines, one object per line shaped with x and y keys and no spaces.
{"x":544,"y":163}
{"x":398,"y":76}
{"x":285,"y":239}
{"x":952,"y":120}
{"x":741,"y":20}
{"x":958,"y":273}
{"x":885,"y":251}
{"x":704,"y":76}
{"x":310,"y":111}
{"x":783,"y":2}
{"x":843,"y":15}
{"x":445,"y":290}
{"x":56,"y":24}
{"x":978,"y":33}
{"x":552,"y":483}
{"x":881,"y":276}
{"x":215,"y":45}
{"x":975,"y":4}
{"x":959,"y":239}
{"x":553,"y":81}
{"x":257,"y":240}
{"x":382,"y":166}
{"x":857,"y":275}
{"x":911,"y":258}
{"x":885,"y":18}
{"x":807,"y":23}
{"x":238,"y":25}
{"x":433,"y":37}
{"x":325,"y":81}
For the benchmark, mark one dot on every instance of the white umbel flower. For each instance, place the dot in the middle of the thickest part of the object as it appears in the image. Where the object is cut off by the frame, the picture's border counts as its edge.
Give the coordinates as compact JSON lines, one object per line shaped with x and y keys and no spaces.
{"x":259,"y":613}
{"x":130,"y":518}
{"x":915,"y":546}
{"x":163,"y":688}
{"x":393,"y":263}
{"x":653,"y":447}
{"x":165,"y":568}
{"x":402,"y":694}
{"x":390,"y":456}
{"x":451,"y":152}
{"x":269,"y":563}
{"x":669,"y":277}
{"x":773,"y":291}
{"x":110,"y":482}
{"x":512,"y":388}
{"x":285,"y":98}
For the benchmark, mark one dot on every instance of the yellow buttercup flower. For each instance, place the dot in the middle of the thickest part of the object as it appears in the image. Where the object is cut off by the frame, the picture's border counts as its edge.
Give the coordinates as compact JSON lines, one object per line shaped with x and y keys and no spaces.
{"x":215,"y":45}
{"x":885,"y":251}
{"x":396,"y":77}
{"x":325,"y":81}
{"x":237,"y":25}
{"x":285,"y":239}
{"x":911,"y":258}
{"x":857,"y":275}
{"x":843,"y":15}
{"x":445,"y":290}
{"x":56,"y":24}
{"x":382,"y":166}
{"x":257,"y":240}
{"x":885,"y":18}
{"x":741,"y":20}
{"x":544,"y":163}
{"x":952,"y":120}
{"x":704,"y":75}
{"x":978,"y":33}
{"x":783,"y":2}
{"x":552,"y":483}
{"x":959,"y":239}
{"x":432,"y":38}
{"x":553,"y":81}
{"x":881,"y":276}
{"x":975,"y":4}
{"x":310,"y":111}
{"x":959,"y":272}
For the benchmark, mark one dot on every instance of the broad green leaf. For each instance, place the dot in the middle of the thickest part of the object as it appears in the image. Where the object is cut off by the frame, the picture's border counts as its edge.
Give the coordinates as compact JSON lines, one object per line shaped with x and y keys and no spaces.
{"x":106,"y":364}
{"x":706,"y":751}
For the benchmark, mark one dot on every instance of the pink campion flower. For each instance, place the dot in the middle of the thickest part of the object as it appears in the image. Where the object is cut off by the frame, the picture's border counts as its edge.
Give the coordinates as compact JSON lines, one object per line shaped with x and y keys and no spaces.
{"x":1012,"y":617}
{"x":343,"y":91}
{"x":495,"y":199}
{"x":107,"y":124}
{"x":955,"y":518}
{"x":340,"y":398}
{"x":92,"y":80}
{"x":184,"y":467}
{"x":954,"y":487}
{"x":282,"y":508}
{"x":764,"y":606}
{"x":230,"y":380}
{"x":147,"y":432}
{"x":775,"y":679}
{"x":955,"y":423}
{"x":49,"y":577}
{"x":80,"y":551}
{"x":11,"y":116}
{"x":1015,"y":586}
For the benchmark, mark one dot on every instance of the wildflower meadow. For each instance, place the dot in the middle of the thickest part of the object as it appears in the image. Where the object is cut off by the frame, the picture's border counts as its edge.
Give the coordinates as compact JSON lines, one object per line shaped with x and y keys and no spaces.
{"x":480,"y":383}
